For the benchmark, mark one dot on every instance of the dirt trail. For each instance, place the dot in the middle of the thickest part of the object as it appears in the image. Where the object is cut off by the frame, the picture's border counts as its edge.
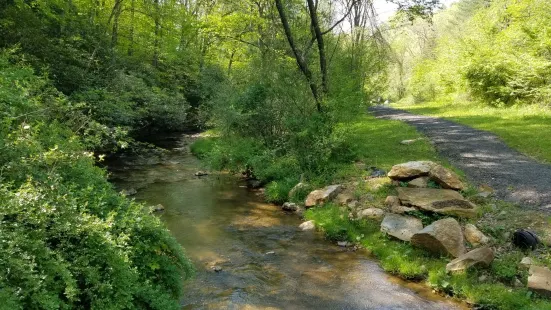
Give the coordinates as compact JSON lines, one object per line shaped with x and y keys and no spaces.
{"x":484,"y":158}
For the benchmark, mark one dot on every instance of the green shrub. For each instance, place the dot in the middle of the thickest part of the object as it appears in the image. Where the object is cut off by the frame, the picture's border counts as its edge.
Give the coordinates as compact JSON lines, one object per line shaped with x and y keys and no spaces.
{"x":69,"y":240}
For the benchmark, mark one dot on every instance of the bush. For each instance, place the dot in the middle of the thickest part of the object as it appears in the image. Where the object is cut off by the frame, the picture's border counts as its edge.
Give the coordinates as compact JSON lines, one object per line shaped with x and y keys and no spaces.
{"x":69,"y":240}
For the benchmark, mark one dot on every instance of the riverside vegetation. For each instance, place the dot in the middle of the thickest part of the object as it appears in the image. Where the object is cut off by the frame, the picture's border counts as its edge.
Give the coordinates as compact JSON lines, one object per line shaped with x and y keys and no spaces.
{"x":283,"y":91}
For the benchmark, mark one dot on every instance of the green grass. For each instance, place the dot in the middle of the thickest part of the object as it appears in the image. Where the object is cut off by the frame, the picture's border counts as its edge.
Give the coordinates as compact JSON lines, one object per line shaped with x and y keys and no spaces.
{"x":525,"y":128}
{"x":401,"y":259}
{"x":377,"y":142}
{"x":202,"y":147}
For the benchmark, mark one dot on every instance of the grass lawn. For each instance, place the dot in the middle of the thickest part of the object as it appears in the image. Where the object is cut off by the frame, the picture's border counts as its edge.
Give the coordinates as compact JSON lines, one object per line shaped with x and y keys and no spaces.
{"x":377,"y":142}
{"x":525,"y":128}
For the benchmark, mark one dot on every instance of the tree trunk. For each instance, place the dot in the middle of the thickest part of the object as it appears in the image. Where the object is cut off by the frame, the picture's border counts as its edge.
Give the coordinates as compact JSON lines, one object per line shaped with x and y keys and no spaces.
{"x":115,"y":14}
{"x":312,"y":7}
{"x":132,"y":15}
{"x":302,"y":65}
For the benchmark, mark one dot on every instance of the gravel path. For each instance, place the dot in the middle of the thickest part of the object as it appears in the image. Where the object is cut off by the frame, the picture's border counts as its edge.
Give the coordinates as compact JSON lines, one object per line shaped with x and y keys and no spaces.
{"x":484,"y":158}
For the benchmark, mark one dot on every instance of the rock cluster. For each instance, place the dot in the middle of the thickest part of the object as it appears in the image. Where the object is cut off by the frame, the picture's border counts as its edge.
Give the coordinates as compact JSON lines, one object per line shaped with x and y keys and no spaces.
{"x":442,"y":237}
{"x":435,"y":172}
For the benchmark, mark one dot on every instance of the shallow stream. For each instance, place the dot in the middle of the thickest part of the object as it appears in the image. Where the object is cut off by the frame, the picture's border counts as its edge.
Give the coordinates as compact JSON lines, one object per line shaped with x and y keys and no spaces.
{"x":263,"y":260}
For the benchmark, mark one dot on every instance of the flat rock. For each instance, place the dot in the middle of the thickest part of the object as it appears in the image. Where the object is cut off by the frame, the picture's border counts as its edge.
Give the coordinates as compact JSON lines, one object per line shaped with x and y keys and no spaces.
{"x":401,"y":227}
{"x":410,"y":170}
{"x":443,"y":237}
{"x":539,"y":280}
{"x":371,"y":213}
{"x":309,"y":225}
{"x":321,"y":196}
{"x":481,"y":257}
{"x":442,"y":201}
{"x":420,"y":182}
{"x":446,"y":178}
{"x":475,"y":236}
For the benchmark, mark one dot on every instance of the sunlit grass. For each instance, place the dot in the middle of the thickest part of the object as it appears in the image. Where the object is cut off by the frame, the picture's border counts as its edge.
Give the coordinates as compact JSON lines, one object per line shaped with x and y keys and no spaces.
{"x":525,"y":128}
{"x":377,"y":142}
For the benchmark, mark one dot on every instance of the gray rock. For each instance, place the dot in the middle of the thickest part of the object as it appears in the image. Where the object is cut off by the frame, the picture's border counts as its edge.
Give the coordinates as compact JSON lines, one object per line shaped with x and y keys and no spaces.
{"x":306,"y":226}
{"x":480,"y":257}
{"x":290,"y":206}
{"x":410,"y":170}
{"x":443,"y":237}
{"x":446,"y":178}
{"x":475,"y":236}
{"x":321,"y":196}
{"x":526,"y":262}
{"x":442,"y":201}
{"x":401,"y":227}
{"x":200,"y":173}
{"x":371,"y":213}
{"x":539,"y":280}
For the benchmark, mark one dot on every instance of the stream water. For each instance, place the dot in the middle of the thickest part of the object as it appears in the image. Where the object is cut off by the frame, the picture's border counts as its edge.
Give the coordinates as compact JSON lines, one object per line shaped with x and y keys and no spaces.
{"x":266,"y":262}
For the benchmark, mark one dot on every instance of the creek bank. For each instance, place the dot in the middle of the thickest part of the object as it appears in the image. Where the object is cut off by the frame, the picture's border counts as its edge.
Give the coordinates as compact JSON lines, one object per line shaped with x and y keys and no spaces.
{"x":249,"y":254}
{"x":402,"y":217}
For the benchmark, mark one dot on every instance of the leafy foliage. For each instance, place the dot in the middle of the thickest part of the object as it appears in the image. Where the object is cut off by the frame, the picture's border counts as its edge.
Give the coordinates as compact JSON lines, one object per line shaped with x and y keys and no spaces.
{"x":69,"y":240}
{"x":497,"y":53}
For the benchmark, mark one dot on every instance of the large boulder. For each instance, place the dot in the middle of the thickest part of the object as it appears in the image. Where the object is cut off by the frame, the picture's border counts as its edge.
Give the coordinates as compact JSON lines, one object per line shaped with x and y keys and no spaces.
{"x":443,"y":237}
{"x":320,"y":196}
{"x":410,"y":170}
{"x":539,"y":280}
{"x":446,"y":178}
{"x":401,"y":227}
{"x":475,"y":236}
{"x":442,"y":201}
{"x":481,"y":256}
{"x":371,"y":213}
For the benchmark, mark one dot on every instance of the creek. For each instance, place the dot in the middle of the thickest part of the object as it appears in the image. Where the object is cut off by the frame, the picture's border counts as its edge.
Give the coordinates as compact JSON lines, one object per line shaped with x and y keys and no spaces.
{"x":250,"y":254}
